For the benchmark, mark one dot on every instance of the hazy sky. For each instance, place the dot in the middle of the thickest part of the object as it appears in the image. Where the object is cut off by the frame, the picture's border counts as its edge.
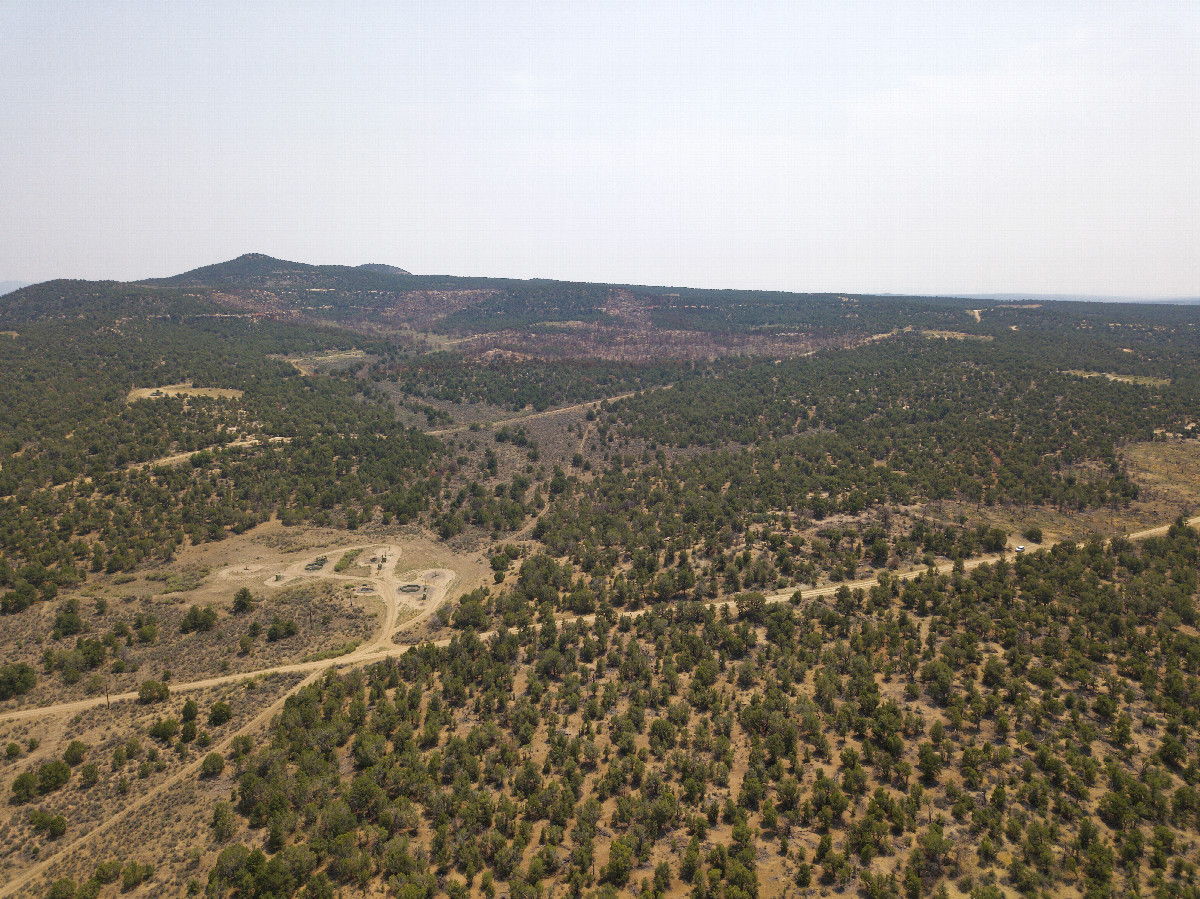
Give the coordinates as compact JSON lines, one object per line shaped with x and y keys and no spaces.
{"x":867,"y":146}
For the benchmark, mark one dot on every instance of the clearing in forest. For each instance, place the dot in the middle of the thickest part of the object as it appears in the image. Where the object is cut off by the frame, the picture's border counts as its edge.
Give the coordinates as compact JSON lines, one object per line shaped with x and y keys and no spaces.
{"x":1144,"y":380}
{"x":956,"y":335}
{"x":309,"y":365}
{"x":156,"y":393}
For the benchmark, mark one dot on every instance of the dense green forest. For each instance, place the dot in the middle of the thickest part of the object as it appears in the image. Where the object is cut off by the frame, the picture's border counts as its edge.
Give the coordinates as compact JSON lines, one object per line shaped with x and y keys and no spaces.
{"x":902,"y":420}
{"x":1056,"y":747}
{"x":79,"y":488}
{"x":631,"y":704}
{"x":535,"y":383}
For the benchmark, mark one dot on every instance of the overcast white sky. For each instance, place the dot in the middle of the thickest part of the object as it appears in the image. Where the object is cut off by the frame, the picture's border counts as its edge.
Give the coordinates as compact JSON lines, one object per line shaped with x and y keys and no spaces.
{"x":904,"y":147}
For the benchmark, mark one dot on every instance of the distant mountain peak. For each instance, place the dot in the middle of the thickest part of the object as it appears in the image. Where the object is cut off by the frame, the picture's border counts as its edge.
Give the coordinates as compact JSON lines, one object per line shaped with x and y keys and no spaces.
{"x":382,"y":267}
{"x":261,"y":270}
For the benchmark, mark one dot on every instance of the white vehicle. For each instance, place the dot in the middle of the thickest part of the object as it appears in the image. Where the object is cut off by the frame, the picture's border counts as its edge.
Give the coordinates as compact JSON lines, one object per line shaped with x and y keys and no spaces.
{"x":1021,"y":548}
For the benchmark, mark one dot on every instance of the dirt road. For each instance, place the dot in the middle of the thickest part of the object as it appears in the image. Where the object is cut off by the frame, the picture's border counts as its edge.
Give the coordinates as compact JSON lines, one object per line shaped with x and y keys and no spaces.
{"x":380,"y":648}
{"x":440,"y":580}
{"x":386,"y":584}
{"x":517,"y":419}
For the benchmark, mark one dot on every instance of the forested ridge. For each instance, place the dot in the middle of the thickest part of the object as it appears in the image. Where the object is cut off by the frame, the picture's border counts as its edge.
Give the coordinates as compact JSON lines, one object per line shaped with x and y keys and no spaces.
{"x":78,"y":487}
{"x":612,"y":705}
{"x":904,"y":419}
{"x":1005,"y":418}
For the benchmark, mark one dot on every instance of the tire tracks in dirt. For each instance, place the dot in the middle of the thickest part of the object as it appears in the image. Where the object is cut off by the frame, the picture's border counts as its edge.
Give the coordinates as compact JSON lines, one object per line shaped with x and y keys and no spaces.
{"x":378,"y":650}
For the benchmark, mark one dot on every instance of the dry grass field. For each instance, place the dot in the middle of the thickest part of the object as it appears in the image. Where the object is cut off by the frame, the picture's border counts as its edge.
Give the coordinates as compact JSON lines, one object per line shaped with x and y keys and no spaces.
{"x":321,"y":362}
{"x":1143,"y":380}
{"x":1168,"y":472}
{"x":151,"y":393}
{"x":147,"y":791}
{"x":130,"y":768}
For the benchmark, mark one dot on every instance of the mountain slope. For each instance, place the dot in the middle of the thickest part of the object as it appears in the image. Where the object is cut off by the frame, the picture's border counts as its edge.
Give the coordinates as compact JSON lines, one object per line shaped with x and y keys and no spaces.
{"x":259,"y":270}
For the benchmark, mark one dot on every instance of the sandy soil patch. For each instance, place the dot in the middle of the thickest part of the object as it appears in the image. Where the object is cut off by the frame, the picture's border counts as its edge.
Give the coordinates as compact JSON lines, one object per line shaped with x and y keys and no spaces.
{"x":146,"y":766}
{"x":156,"y":393}
{"x":1169,"y":472}
{"x":309,"y":365}
{"x":1143,"y":380}
{"x":956,"y":335}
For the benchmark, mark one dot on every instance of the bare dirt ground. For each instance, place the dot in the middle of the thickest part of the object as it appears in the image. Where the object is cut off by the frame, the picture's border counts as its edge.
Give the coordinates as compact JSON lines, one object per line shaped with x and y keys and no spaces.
{"x":1144,"y":380}
{"x":310,"y":365}
{"x":147,"y":393}
{"x":956,"y":335}
{"x":332,"y":612}
{"x":132,"y":768}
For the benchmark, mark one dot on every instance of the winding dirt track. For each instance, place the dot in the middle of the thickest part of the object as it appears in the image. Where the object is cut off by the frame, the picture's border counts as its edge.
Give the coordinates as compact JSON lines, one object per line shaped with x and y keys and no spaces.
{"x":440,"y":579}
{"x":380,"y":647}
{"x":436,"y":581}
{"x":387,"y":587}
{"x":517,"y":419}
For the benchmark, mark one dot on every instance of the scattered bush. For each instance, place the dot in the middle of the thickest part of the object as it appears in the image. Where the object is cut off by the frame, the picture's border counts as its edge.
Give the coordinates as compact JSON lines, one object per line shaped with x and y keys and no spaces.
{"x":75,"y":753}
{"x":280,"y":630}
{"x":213,"y":765}
{"x":63,"y":888}
{"x":198,"y":619}
{"x":222,"y":822}
{"x":16,"y":680}
{"x":54,"y":826}
{"x":52,"y":776}
{"x":243,"y":601}
{"x":24,"y":787}
{"x":164,"y":729}
{"x":135,"y":873}
{"x":219,"y":713}
{"x":153,"y":691}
